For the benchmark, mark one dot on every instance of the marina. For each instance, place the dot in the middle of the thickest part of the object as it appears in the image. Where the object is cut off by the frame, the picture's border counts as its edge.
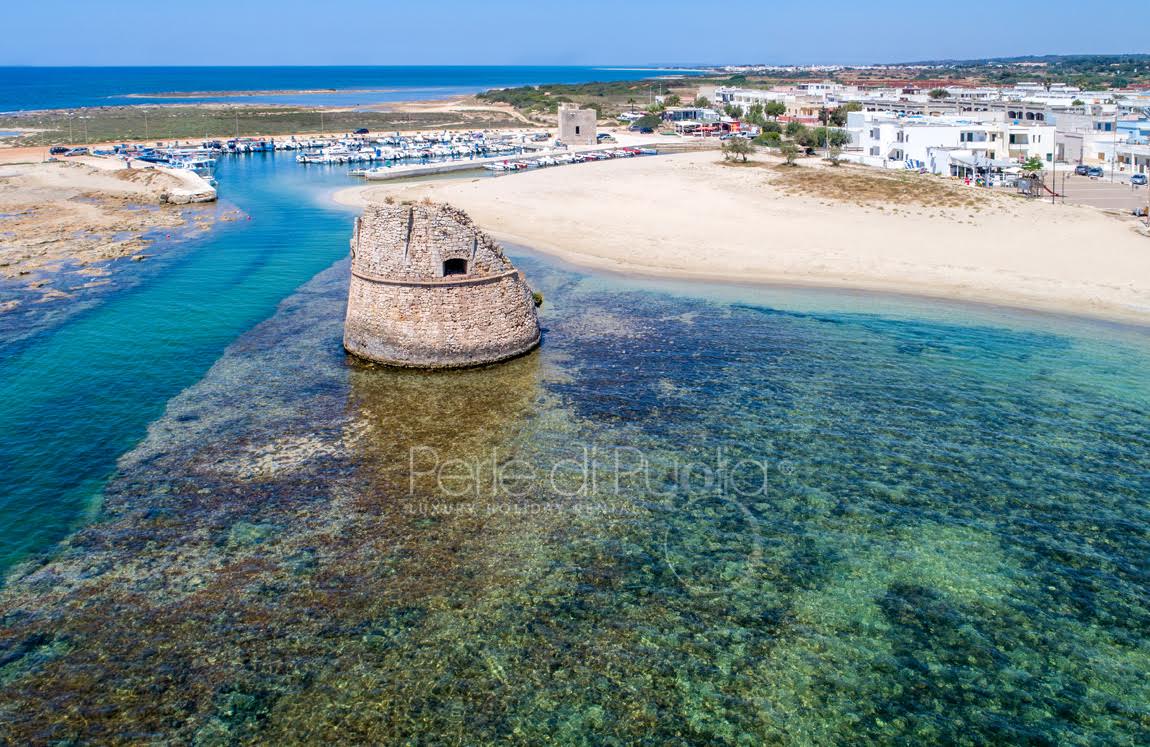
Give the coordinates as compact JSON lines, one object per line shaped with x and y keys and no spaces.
{"x":396,"y":156}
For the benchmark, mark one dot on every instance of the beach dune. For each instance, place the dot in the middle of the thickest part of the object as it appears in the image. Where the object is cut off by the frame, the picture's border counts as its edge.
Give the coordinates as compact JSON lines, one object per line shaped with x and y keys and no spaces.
{"x":691,"y":215}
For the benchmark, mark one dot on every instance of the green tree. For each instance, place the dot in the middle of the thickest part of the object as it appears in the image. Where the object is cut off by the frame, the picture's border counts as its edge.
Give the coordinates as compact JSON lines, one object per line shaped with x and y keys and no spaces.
{"x":1032,"y":165}
{"x":838,"y":115}
{"x":1078,"y":102}
{"x":795,"y":130}
{"x":771,"y":139}
{"x":672,"y":100}
{"x":938,"y":93}
{"x":824,"y":136}
{"x":631,"y":103}
{"x":737,"y":148}
{"x":702,"y":102}
{"x":648,"y":122}
{"x":755,"y":115}
{"x":789,"y":152}
{"x":808,"y":137}
{"x":835,"y":155}
{"x":733,"y":110}
{"x":775,"y":109}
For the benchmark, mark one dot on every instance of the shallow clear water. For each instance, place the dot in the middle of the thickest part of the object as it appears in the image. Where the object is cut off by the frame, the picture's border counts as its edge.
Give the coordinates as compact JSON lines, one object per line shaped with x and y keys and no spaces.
{"x":697,"y":515}
{"x":80,"y":393}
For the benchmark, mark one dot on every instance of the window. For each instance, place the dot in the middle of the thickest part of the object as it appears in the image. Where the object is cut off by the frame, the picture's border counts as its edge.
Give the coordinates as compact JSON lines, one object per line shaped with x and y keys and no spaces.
{"x":455,"y":267}
{"x":577,"y":129}
{"x":874,"y":151}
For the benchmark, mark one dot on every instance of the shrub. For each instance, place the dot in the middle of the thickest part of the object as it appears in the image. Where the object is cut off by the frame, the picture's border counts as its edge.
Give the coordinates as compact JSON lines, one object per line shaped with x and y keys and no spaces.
{"x":737,"y":148}
{"x":790,"y":152}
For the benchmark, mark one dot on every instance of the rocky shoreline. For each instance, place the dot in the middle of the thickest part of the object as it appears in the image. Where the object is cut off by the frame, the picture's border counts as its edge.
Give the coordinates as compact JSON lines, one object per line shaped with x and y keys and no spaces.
{"x":60,"y":221}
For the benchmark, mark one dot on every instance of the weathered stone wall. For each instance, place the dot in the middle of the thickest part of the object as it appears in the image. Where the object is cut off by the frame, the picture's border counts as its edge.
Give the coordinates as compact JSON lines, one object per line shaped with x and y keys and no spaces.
{"x":577,"y":126}
{"x":403,"y":311}
{"x":411,"y":242}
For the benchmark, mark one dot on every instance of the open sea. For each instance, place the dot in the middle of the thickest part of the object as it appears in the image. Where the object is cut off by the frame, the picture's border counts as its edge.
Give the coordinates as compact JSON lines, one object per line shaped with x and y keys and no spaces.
{"x":698,"y":514}
{"x":31,"y":88}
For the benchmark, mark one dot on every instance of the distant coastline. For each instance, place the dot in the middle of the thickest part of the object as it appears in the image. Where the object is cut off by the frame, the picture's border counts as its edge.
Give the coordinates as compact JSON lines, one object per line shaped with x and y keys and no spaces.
{"x":50,"y":88}
{"x":232,"y":94}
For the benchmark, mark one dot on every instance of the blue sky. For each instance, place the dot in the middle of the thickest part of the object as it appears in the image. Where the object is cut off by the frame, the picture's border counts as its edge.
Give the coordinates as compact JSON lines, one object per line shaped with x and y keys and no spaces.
{"x":533,"y":32}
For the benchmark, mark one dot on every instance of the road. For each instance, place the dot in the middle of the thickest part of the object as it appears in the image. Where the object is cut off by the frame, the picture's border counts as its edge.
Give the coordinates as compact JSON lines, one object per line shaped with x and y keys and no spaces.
{"x":1102,"y":193}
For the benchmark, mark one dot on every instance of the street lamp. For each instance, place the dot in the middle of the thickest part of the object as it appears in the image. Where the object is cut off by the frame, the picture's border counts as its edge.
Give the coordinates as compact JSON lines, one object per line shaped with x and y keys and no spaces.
{"x":1114,"y":153}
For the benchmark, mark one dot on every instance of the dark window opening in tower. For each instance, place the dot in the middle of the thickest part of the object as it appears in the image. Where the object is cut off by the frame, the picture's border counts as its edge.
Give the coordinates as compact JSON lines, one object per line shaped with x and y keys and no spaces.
{"x":455,"y":267}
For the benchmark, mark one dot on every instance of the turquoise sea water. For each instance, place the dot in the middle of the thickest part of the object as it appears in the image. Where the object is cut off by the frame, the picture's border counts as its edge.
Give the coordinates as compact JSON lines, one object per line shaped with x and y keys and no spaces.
{"x":76,"y":396}
{"x":699,"y":514}
{"x":30,"y":88}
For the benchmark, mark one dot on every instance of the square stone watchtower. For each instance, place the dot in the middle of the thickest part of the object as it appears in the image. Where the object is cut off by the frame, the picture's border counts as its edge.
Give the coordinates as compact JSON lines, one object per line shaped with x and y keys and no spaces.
{"x":576,"y":126}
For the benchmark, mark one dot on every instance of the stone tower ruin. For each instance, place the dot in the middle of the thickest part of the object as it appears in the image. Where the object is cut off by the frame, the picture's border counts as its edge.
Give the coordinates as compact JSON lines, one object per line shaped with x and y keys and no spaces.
{"x":577,"y":126}
{"x":430,"y":290}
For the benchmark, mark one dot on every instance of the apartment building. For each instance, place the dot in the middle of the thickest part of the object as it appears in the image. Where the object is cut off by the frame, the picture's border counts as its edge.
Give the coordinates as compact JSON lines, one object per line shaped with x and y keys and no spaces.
{"x":894,"y":141}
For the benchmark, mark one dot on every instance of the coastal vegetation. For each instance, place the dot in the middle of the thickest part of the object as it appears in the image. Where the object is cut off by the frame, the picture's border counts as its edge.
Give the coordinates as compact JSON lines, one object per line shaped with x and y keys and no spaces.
{"x":797,"y":138}
{"x":789,"y":152}
{"x":180,"y":122}
{"x":607,"y":98}
{"x":738,"y":148}
{"x":862,"y":186}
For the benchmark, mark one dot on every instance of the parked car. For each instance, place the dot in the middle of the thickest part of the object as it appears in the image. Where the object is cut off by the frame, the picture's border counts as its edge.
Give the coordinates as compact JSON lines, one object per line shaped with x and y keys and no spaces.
{"x":58,"y":150}
{"x":81,"y":151}
{"x":1139,"y":180}
{"x":1095,"y":171}
{"x":362,"y":131}
{"x":1082,"y":170}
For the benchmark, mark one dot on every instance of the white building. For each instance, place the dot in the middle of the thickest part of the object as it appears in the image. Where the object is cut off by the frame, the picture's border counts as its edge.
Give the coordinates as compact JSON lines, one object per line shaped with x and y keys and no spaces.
{"x":893,"y":141}
{"x":797,"y":104}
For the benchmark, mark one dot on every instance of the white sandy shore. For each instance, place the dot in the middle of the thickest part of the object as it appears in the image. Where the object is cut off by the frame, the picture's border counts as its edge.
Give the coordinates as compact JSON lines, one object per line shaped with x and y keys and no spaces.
{"x":689,"y":215}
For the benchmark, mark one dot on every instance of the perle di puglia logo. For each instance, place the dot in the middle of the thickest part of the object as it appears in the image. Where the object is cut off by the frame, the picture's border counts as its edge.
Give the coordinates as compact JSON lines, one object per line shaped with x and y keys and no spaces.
{"x":590,"y":471}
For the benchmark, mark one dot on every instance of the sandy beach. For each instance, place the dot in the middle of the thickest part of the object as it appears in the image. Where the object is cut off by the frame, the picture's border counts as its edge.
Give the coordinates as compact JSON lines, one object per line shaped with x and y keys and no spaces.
{"x":691,"y":215}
